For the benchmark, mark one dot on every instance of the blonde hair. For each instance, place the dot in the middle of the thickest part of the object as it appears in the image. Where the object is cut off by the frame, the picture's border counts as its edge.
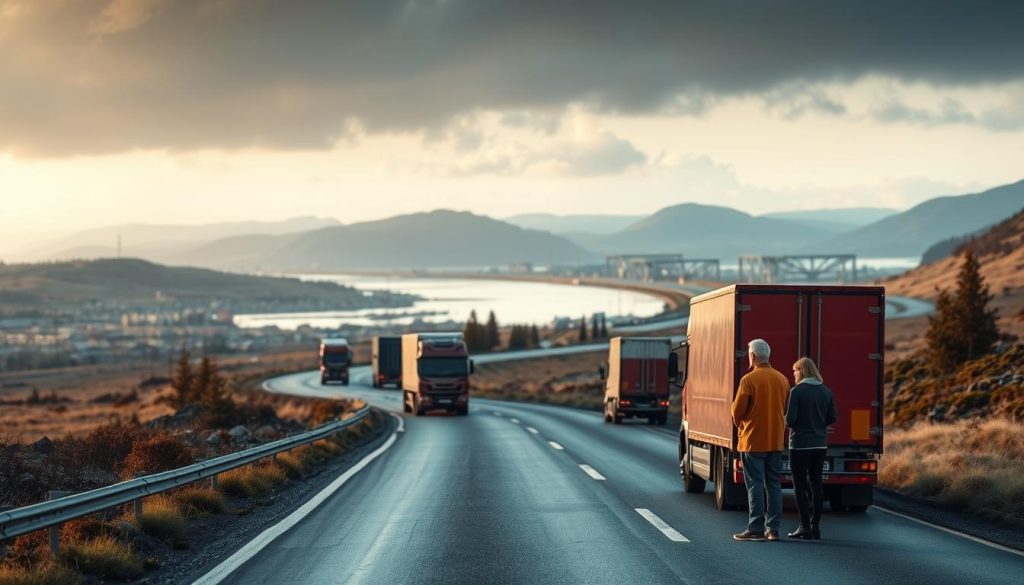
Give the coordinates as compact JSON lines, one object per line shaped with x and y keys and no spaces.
{"x":807,"y":369}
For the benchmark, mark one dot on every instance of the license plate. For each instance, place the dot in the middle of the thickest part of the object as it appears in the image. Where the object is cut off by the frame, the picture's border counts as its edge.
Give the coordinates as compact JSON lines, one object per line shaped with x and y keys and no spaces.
{"x":444,"y":401}
{"x":826,"y":467}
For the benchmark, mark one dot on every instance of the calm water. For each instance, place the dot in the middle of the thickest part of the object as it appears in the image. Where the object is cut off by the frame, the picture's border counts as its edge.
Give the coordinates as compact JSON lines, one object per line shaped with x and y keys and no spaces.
{"x":452,"y":299}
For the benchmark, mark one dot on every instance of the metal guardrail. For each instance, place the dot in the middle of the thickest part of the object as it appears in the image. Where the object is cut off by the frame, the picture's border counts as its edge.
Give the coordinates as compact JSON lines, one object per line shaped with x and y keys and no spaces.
{"x":55,"y":512}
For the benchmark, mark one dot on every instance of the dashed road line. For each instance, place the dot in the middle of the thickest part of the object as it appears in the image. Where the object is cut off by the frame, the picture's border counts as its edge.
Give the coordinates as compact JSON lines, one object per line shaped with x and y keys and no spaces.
{"x":592,"y":472}
{"x":495,"y":413}
{"x":671,"y":533}
{"x":532,"y":430}
{"x":514,"y":421}
{"x":556,"y":446}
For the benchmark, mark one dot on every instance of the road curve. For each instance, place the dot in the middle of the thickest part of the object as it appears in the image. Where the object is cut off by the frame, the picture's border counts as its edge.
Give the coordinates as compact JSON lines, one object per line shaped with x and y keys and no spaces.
{"x":522,"y":493}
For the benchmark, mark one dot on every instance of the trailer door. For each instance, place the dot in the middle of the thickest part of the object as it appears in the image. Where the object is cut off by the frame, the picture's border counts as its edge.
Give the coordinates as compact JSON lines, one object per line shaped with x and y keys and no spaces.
{"x":778,"y":317}
{"x":847,"y":344}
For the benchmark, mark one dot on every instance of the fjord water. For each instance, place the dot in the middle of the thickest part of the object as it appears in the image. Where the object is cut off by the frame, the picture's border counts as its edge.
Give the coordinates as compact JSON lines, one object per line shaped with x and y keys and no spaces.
{"x":453,"y":299}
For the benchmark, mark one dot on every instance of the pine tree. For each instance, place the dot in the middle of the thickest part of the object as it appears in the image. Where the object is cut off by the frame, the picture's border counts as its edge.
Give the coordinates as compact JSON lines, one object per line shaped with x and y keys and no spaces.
{"x":595,"y":331}
{"x":469,"y":332}
{"x":183,"y":380}
{"x":583,"y":329}
{"x":214,"y":395}
{"x":534,"y":336}
{"x":963,"y":326}
{"x":492,"y":331}
{"x":604,"y":327}
{"x":942,"y":339}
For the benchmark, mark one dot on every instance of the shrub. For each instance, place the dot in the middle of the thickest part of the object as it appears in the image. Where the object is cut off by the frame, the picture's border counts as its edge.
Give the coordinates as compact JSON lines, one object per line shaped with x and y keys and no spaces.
{"x":81,"y":529}
{"x":103,"y":557}
{"x":106,"y":446}
{"x":325,"y":410}
{"x":293,"y":464}
{"x":196,"y":499}
{"x":48,"y":573}
{"x":156,"y":453}
{"x":162,"y":518}
{"x":252,"y":480}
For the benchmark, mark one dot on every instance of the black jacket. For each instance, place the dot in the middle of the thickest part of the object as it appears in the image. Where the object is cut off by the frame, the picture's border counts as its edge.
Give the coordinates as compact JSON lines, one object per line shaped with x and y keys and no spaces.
{"x":810,"y":411}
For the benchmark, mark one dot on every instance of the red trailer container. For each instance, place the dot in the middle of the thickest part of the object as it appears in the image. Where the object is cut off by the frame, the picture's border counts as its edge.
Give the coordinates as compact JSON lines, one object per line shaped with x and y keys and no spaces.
{"x":840,"y":327}
{"x":637,"y":379}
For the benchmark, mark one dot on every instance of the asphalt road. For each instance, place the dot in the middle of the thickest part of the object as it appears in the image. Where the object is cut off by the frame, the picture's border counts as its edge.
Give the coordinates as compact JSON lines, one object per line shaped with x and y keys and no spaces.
{"x":502,"y":496}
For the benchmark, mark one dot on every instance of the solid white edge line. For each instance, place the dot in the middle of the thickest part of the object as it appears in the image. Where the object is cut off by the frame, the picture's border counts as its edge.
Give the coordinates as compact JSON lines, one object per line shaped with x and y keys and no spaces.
{"x":514,"y":421}
{"x":254,"y":546}
{"x":555,"y":445}
{"x":987,"y":543}
{"x":401,"y":423}
{"x":592,"y":472}
{"x":671,"y":533}
{"x":532,"y":430}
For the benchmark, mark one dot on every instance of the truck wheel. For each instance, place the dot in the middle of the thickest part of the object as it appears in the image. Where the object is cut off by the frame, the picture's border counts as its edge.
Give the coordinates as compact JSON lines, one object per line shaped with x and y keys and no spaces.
{"x":405,"y":403}
{"x":462,"y":410}
{"x":416,"y":406}
{"x":653,"y":419}
{"x":323,"y":381}
{"x":375,"y":384}
{"x":663,"y":419}
{"x":835,"y":499}
{"x":693,"y":484}
{"x":607,"y":412}
{"x":616,"y":416}
{"x":727,"y":495}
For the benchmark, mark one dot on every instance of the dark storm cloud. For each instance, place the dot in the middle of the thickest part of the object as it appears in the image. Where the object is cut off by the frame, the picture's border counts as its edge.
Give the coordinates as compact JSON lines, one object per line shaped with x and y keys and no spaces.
{"x":102,"y":76}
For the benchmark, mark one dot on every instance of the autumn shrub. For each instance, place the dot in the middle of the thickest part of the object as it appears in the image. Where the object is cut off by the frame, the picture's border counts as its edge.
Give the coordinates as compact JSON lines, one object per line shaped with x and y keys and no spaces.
{"x":162,"y":518}
{"x":44,"y":573}
{"x":106,"y":446}
{"x":323,"y":411}
{"x":293,"y":464}
{"x":254,"y":480}
{"x":159,"y":452}
{"x":196,"y":499}
{"x":84,"y":528}
{"x":104,"y":557}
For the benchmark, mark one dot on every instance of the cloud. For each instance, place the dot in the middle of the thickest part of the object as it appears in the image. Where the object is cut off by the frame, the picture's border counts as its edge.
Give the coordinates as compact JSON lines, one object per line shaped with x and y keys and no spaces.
{"x":288,"y":75}
{"x":1005,"y":117}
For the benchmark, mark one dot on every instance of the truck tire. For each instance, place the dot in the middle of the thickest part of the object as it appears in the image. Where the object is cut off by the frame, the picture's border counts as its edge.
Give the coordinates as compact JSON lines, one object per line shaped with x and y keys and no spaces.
{"x":727,"y":495}
{"x":608,"y":411}
{"x":323,"y":381}
{"x":462,"y":411}
{"x":406,"y":403}
{"x":693,"y":484}
{"x":616,"y":417}
{"x":375,"y":384}
{"x":853,"y":499}
{"x":663,"y":419}
{"x":416,"y":406}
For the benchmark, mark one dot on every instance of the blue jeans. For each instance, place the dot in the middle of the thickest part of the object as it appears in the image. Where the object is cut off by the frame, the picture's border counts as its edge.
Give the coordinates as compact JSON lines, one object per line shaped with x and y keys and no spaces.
{"x":761,"y":474}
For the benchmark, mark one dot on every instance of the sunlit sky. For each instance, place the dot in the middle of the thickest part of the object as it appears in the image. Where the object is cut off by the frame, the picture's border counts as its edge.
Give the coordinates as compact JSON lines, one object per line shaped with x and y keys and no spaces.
{"x":174,"y":111}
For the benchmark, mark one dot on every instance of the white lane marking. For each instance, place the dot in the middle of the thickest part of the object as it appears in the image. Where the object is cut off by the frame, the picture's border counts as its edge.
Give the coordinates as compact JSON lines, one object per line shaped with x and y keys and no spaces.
{"x":953,"y":532}
{"x":514,"y":421}
{"x":661,"y":525}
{"x":532,"y":430}
{"x":495,"y":413}
{"x":556,"y":446}
{"x":254,"y":546}
{"x":592,"y":472}
{"x":401,"y":424}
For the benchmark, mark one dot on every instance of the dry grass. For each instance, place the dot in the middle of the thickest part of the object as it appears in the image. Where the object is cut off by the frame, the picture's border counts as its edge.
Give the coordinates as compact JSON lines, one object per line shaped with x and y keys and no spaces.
{"x":976,"y":466}
{"x":199,"y":499}
{"x":104,"y":557}
{"x":162,"y":518}
{"x":256,"y":480}
{"x":48,"y":573}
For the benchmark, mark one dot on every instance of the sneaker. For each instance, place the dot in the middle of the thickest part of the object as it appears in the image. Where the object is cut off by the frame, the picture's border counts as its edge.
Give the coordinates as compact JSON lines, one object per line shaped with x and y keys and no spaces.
{"x":771,"y":535}
{"x":749,"y":535}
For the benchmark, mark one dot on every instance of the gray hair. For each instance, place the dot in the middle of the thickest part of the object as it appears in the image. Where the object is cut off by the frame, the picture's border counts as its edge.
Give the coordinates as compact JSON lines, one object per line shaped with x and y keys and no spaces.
{"x":760,"y":349}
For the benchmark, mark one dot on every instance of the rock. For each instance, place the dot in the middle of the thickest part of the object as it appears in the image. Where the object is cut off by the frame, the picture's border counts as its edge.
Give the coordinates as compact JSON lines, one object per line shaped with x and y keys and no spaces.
{"x":44,"y":445}
{"x":267,"y":432}
{"x":239,"y":434}
{"x":213,"y":439}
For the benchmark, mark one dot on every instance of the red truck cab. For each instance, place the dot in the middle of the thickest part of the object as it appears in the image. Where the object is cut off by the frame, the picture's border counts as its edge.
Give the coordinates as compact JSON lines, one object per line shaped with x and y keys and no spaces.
{"x":636,"y":379}
{"x":335,"y":359}
{"x":842,"y":328}
{"x":435,"y":373}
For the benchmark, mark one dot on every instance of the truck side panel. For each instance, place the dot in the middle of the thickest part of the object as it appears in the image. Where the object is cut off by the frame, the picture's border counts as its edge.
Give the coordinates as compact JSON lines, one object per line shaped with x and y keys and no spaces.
{"x":612,"y":383}
{"x":711,"y":371}
{"x":847,"y":344}
{"x":410,"y":353}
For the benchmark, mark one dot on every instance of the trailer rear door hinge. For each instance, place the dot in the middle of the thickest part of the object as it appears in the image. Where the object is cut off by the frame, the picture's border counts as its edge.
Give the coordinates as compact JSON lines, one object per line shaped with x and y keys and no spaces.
{"x":875,"y":310}
{"x":875,"y":356}
{"x":875,"y":431}
{"x":741,"y":308}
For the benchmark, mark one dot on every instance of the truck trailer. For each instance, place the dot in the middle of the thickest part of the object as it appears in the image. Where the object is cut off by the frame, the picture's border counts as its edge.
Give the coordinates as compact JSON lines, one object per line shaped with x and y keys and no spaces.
{"x":636,"y":379}
{"x":335,"y":359}
{"x":842,"y":328}
{"x":386,"y":361}
{"x":435,"y":373}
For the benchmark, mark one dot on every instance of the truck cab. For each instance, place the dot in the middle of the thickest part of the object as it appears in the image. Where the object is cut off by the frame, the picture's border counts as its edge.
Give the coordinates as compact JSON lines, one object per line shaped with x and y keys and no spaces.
{"x":636,"y":379}
{"x":435,"y":373}
{"x":335,"y":359}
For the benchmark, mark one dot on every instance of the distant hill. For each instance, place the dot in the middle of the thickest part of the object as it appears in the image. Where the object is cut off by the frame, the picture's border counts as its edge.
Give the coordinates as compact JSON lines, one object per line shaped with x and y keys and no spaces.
{"x":911,"y":233}
{"x":696,"y":230}
{"x":133,"y":281}
{"x":162,"y":241}
{"x":439,"y":239}
{"x":573,"y":224}
{"x":849,"y":217}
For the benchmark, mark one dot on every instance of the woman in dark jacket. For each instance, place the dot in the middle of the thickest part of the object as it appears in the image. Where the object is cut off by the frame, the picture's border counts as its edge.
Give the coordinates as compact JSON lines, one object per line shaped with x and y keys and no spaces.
{"x":810,"y":413}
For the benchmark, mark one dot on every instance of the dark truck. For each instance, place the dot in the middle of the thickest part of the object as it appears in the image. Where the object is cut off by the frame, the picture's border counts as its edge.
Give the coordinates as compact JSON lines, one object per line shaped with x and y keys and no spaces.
{"x":842,"y":328}
{"x":335,"y":359}
{"x":636,"y":379}
{"x":387,"y":361}
{"x":435,"y":373}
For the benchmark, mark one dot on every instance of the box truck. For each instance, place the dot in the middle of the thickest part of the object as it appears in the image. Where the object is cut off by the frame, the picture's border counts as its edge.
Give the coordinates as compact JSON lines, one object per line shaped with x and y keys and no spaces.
{"x":636,"y":379}
{"x":435,"y":373}
{"x":335,"y":359}
{"x":840,"y":327}
{"x":386,"y":361}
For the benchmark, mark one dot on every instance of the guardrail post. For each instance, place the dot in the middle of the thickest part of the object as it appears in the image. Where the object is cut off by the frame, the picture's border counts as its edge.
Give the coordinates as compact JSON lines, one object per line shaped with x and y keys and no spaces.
{"x":55,"y":530}
{"x":137,"y":502}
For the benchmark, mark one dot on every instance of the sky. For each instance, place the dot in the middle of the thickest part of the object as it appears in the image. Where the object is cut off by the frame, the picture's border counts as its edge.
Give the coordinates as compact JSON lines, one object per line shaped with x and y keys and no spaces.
{"x":198,"y":111}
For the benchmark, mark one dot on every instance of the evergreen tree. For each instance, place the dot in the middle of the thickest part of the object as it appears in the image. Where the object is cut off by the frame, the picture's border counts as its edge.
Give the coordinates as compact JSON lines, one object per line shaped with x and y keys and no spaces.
{"x":595,"y":331}
{"x":469,"y":332}
{"x":604,"y":327}
{"x":183,"y":380}
{"x":534,"y":336}
{"x":963,"y":326}
{"x":214,"y":395}
{"x":492,"y":331}
{"x":583,"y":329}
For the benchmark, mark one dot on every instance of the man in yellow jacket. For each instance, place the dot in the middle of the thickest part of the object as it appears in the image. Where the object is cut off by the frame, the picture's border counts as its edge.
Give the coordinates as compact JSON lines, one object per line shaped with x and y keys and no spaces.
{"x":759,"y":413}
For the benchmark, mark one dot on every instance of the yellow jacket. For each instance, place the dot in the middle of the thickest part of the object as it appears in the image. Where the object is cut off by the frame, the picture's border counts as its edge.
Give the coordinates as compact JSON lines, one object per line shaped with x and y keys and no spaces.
{"x":759,"y":410}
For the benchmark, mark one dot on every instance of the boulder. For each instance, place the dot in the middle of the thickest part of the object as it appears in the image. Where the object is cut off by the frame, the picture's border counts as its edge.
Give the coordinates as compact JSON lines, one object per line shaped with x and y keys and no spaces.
{"x":213,"y":439}
{"x":239,"y":434}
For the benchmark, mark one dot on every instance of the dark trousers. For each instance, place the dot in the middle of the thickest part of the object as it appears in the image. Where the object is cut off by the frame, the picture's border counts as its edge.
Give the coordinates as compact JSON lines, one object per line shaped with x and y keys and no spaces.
{"x":810,"y":494}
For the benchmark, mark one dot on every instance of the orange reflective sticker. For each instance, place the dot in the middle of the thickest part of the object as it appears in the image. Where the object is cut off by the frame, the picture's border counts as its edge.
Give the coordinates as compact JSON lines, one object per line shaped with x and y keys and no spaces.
{"x":860,"y":424}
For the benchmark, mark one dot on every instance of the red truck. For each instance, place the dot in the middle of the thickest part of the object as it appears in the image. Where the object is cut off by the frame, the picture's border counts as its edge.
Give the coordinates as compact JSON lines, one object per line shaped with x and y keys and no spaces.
{"x":636,"y":379}
{"x":842,"y":328}
{"x":335,"y":359}
{"x":435,"y":373}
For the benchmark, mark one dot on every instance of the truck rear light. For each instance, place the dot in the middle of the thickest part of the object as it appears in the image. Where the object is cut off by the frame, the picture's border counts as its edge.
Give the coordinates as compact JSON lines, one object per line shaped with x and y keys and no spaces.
{"x":626,"y":402}
{"x":862,"y":466}
{"x":663,"y":403}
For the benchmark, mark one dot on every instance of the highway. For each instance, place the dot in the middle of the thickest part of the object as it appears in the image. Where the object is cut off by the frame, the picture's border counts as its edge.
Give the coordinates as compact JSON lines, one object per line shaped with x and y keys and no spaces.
{"x":519,"y":493}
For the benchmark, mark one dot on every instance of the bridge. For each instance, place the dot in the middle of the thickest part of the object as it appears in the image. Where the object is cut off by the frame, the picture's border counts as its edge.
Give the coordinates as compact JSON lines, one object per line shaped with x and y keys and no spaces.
{"x":653,"y":267}
{"x":798,"y":268}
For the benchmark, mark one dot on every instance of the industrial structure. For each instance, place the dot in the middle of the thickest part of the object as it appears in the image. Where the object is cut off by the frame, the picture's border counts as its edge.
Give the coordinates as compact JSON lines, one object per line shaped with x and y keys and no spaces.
{"x":652,"y":267}
{"x":798,"y":268}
